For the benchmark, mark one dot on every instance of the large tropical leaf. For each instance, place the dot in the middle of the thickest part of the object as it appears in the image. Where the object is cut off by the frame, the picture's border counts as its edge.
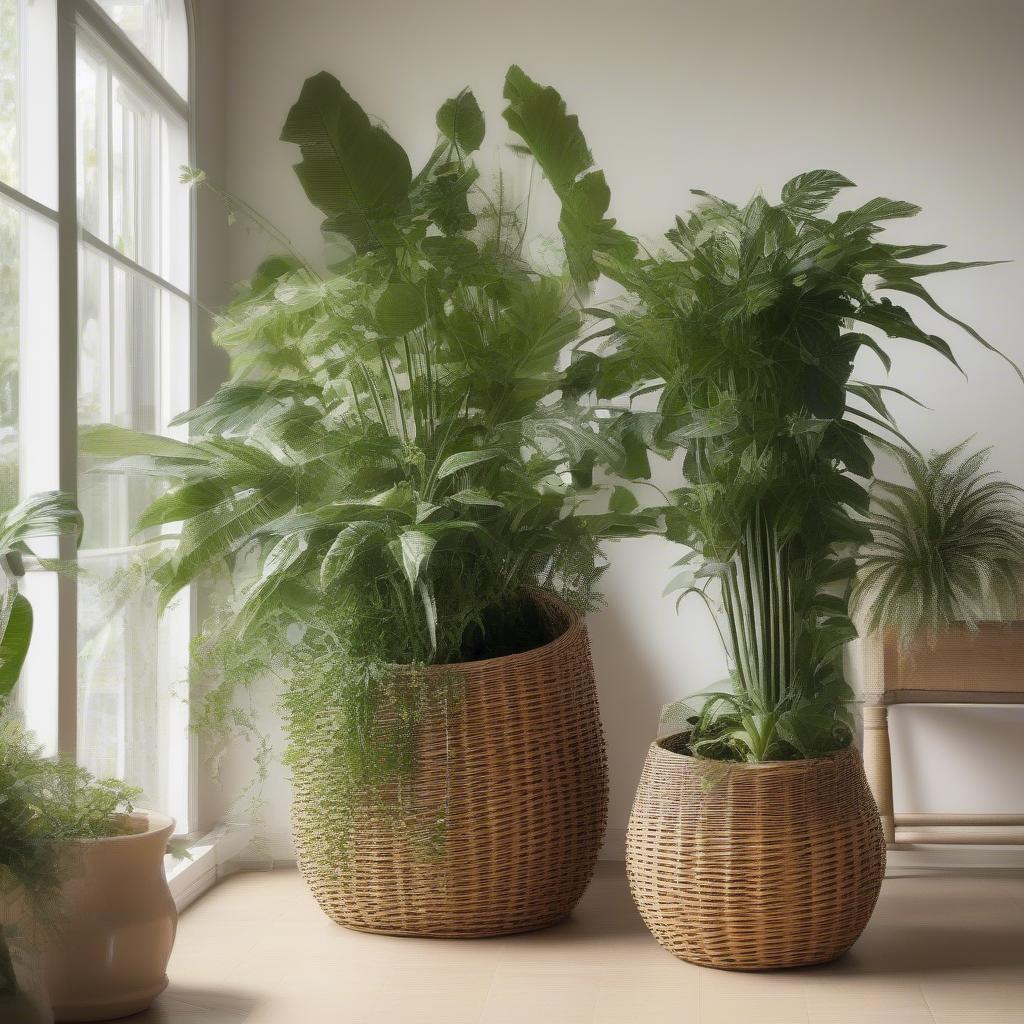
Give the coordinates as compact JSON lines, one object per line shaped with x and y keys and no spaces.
{"x":538,"y":115}
{"x":351,"y":169}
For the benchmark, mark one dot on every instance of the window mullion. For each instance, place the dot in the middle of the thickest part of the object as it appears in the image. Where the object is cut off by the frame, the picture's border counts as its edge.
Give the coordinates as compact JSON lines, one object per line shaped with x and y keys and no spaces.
{"x":20,"y":199}
{"x":131,"y":265}
{"x":67,"y":367}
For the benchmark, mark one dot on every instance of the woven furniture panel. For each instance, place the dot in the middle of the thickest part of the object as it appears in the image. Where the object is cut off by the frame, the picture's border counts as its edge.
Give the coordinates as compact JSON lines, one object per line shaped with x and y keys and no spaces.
{"x":756,"y":866}
{"x":984,"y":666}
{"x":521,"y":765}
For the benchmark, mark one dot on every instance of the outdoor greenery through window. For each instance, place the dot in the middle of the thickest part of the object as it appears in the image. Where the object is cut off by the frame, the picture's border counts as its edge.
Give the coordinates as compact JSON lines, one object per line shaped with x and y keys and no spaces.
{"x":130,"y":234}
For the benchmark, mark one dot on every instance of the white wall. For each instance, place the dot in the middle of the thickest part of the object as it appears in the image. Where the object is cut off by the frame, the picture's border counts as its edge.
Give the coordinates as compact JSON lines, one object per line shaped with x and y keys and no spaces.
{"x":916,"y":99}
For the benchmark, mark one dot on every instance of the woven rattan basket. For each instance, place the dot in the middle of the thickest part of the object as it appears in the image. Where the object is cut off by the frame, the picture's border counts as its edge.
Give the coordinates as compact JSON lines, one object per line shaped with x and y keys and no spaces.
{"x":520,"y":764}
{"x":753,"y":866}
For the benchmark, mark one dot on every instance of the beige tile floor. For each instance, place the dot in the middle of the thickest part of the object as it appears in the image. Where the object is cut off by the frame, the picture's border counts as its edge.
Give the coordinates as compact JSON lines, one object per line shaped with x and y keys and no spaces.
{"x":256,"y":950}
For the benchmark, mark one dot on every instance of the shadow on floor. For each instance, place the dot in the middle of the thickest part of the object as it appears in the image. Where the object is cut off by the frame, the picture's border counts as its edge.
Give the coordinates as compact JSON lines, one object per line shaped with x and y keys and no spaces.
{"x":204,"y":1006}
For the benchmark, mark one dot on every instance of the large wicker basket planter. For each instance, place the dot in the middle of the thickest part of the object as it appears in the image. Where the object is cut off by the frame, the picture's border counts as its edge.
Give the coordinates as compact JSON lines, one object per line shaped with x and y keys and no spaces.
{"x":519,"y":764}
{"x":747,"y":867}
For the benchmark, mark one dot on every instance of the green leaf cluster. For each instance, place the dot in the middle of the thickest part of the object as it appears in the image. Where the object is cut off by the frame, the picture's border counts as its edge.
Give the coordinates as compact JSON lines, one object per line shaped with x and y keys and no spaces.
{"x":946,"y":547}
{"x":401,"y":451}
{"x":746,"y":330}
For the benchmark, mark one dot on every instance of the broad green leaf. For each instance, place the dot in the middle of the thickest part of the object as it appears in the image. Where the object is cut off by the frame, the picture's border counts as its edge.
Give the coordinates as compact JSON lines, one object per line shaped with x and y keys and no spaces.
{"x":415,"y":548}
{"x":463,"y":460}
{"x":538,"y":115}
{"x":181,"y":503}
{"x":400,"y":309}
{"x":108,"y":441}
{"x":461,"y":121}
{"x":809,"y":193}
{"x":471,"y":497}
{"x":14,"y":644}
{"x":352,"y":171}
{"x":622,"y":500}
{"x":875,"y":210}
{"x":212,"y":536}
{"x":915,"y":288}
{"x":344,"y":548}
{"x":260,"y":594}
{"x":453,"y":253}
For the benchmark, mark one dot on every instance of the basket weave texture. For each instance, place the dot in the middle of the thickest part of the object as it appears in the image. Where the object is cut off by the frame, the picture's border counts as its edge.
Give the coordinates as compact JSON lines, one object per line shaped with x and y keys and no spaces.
{"x":519,"y":763}
{"x":754,"y":866}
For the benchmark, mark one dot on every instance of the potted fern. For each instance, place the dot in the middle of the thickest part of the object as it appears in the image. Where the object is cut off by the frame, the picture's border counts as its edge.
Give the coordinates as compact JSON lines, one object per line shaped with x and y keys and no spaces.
{"x":946,"y":548}
{"x":64,"y":913}
{"x":400,"y":456}
{"x":79,"y":869}
{"x":28,"y":868}
{"x":938,"y":592}
{"x":754,"y":841}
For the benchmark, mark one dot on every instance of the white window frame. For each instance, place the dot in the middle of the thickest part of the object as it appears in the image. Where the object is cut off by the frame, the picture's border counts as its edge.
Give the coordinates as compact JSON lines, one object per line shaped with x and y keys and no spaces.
{"x":88,"y":18}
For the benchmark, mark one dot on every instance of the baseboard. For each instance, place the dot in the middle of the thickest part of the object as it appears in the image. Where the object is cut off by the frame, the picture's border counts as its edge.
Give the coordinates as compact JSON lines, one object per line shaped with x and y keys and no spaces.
{"x":937,"y":859}
{"x":228,"y":850}
{"x":189,"y":879}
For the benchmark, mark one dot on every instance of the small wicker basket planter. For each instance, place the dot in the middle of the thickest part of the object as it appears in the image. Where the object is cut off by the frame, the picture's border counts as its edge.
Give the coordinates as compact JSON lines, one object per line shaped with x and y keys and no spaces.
{"x":754,"y":866}
{"x":520,"y":765}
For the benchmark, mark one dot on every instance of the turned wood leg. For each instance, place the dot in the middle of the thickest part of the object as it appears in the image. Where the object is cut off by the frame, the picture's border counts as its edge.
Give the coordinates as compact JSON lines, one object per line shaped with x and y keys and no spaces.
{"x":878,"y":765}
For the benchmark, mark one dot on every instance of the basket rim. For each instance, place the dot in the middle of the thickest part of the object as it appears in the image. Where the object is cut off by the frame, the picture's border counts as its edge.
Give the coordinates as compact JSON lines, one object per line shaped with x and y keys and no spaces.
{"x":564,"y":639}
{"x":658,"y":746}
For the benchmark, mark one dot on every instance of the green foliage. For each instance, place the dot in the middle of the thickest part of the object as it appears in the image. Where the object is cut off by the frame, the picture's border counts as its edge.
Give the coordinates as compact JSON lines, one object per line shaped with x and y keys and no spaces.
{"x":747,"y":330}
{"x":396,"y":451}
{"x":50,"y":514}
{"x":947,"y":547}
{"x":537,"y":114}
{"x":44,"y":802}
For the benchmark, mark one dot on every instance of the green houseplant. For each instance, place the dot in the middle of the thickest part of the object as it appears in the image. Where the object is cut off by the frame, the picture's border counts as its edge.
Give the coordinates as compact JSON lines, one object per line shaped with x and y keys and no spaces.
{"x":946,"y":547}
{"x":937,"y":594}
{"x":747,"y":329}
{"x":27,"y":867}
{"x":402,"y":455}
{"x":70,"y":845}
{"x":46,"y":804}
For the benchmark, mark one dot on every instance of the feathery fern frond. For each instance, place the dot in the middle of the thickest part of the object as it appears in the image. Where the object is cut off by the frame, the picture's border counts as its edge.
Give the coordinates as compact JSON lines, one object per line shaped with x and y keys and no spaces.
{"x":947,"y":547}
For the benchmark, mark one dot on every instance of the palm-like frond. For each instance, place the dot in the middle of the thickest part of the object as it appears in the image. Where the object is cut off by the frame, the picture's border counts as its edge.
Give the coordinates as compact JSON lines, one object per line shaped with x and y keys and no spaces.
{"x":947,"y":547}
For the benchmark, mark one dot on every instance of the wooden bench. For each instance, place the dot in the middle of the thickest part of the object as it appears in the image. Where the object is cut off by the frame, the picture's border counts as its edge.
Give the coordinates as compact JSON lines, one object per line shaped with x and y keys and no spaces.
{"x":962,"y":667}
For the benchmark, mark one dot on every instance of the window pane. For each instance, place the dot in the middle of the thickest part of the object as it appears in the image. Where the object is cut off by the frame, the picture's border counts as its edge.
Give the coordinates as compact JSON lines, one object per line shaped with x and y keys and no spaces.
{"x":130,"y":150}
{"x":133,"y":663}
{"x":28,"y":97}
{"x":159,"y":29}
{"x":10,"y":333}
{"x":28,"y":425}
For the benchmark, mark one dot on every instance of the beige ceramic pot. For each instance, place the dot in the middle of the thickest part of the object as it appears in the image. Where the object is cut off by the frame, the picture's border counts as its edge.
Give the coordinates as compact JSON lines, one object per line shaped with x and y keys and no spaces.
{"x":109,"y":956}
